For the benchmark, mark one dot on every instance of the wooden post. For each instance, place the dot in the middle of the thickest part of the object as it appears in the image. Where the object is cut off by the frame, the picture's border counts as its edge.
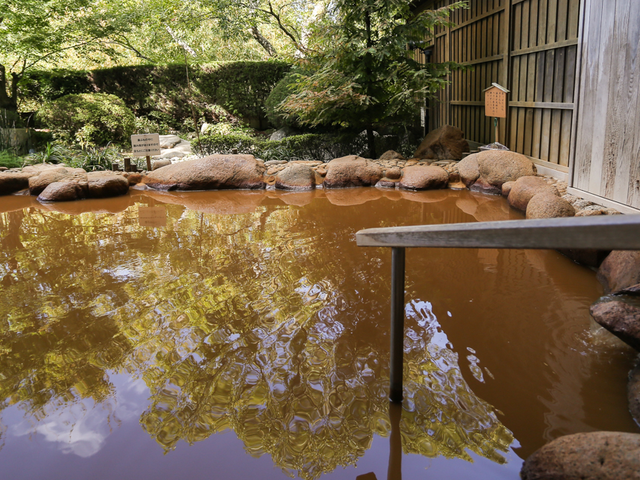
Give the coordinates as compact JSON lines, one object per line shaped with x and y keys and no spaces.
{"x":495,"y":124}
{"x":127,"y":164}
{"x":148,"y":163}
{"x":397,"y":324}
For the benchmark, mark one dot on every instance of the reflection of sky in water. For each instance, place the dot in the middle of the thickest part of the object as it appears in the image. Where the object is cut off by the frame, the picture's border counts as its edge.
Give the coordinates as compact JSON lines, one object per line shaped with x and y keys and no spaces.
{"x":81,"y":428}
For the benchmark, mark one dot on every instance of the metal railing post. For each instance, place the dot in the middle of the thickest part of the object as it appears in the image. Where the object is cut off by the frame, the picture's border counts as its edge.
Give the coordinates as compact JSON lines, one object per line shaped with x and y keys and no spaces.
{"x":397,"y":323}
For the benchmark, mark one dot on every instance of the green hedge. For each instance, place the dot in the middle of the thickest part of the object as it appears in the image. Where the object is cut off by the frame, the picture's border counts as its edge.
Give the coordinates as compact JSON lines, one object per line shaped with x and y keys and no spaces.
{"x":88,"y":118}
{"x":160,"y":91}
{"x":323,"y":147}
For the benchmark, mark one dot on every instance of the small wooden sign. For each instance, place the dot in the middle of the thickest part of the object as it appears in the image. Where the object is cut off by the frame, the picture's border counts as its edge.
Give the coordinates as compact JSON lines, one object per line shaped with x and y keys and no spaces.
{"x":495,"y":101}
{"x":146,"y":145}
{"x":152,"y":216}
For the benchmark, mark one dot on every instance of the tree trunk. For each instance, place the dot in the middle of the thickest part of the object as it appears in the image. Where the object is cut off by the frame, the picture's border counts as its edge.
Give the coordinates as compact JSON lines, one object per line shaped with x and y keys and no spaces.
{"x":8,"y":101}
{"x":264,"y":43}
{"x":371,"y":140}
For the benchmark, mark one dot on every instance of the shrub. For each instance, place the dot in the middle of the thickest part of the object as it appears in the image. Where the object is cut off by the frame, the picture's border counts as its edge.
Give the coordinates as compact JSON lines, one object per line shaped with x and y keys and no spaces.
{"x":9,"y":159}
{"x":275,"y":98}
{"x":89,"y":118}
{"x":10,"y":119}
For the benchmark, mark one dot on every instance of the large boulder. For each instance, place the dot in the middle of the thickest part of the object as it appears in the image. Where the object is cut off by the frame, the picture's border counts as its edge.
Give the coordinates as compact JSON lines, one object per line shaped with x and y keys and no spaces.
{"x":352,"y":171}
{"x":42,"y":180}
{"x":548,"y":205}
{"x":424,"y":178}
{"x":444,"y":143}
{"x":391,"y":155}
{"x":106,"y":185}
{"x":586,"y":456}
{"x":63,"y":192}
{"x":633,"y":393}
{"x":11,"y":182}
{"x":498,"y":166}
{"x":469,"y":170}
{"x":524,"y":188}
{"x":620,"y":269}
{"x":210,"y":173}
{"x":621,"y":317}
{"x":296,"y":177}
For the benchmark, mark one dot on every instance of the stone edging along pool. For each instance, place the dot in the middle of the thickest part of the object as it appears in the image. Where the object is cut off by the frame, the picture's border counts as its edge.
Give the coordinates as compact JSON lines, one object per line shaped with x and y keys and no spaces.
{"x":492,"y":172}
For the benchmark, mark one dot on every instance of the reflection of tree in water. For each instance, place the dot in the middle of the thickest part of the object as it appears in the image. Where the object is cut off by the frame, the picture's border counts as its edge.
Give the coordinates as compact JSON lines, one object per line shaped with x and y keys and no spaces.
{"x":264,"y":322}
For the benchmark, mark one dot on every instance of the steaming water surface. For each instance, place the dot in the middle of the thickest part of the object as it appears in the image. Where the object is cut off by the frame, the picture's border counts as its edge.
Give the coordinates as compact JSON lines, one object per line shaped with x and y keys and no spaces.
{"x":240,"y":335}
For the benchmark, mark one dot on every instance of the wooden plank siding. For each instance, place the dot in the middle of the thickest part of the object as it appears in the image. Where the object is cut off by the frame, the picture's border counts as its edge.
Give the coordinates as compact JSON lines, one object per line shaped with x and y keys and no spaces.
{"x":606,"y":154}
{"x":528,"y":46}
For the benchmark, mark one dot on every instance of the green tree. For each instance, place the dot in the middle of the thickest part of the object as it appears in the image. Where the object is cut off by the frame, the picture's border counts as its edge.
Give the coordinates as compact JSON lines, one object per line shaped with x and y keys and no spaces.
{"x":362,"y":75}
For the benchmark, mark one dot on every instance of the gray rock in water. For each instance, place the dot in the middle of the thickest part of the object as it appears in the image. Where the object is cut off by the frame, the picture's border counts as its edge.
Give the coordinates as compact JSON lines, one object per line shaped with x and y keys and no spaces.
{"x":586,"y":456}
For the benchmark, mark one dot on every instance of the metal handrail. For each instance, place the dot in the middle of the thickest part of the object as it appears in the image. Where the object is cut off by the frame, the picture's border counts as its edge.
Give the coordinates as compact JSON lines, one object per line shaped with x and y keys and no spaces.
{"x":617,"y":232}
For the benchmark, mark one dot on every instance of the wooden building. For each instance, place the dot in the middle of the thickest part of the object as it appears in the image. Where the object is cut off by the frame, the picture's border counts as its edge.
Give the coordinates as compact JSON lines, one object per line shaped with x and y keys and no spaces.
{"x":573,"y":71}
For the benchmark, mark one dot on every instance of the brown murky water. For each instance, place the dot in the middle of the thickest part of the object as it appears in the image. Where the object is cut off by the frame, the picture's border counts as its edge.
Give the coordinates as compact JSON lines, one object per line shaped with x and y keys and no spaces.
{"x":241,"y":335}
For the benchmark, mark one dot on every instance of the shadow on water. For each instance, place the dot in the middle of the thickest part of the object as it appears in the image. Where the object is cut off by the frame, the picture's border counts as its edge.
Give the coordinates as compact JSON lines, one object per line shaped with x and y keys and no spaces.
{"x":256,"y":312}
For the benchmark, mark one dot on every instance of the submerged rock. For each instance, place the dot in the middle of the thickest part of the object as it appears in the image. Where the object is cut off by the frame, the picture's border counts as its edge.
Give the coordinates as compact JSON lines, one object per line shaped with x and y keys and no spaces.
{"x":296,"y":177}
{"x":209,"y":173}
{"x":524,"y":188}
{"x":444,"y":143}
{"x":424,"y":178}
{"x":620,"y":270}
{"x":352,"y":171}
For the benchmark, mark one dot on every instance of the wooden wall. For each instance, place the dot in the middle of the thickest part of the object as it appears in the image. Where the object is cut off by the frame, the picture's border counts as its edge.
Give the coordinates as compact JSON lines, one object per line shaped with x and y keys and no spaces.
{"x":607,"y":134}
{"x":527,"y":46}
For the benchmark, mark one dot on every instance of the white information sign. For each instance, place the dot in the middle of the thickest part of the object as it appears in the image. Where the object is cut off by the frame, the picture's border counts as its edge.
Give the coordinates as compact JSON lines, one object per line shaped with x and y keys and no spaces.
{"x":146,"y":145}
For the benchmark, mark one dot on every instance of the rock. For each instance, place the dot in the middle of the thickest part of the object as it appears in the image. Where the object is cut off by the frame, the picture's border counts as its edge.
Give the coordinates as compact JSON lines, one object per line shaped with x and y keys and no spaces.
{"x":499,"y":166}
{"x":424,"y":178}
{"x":209,"y":173}
{"x":11,"y":182}
{"x":469,"y":170}
{"x":169,"y":141}
{"x":3,"y":169}
{"x":443,"y":143}
{"x":393,"y":173}
{"x":386,"y":183}
{"x":283,"y":133}
{"x":106,"y":185}
{"x":483,"y":187}
{"x":620,"y":318}
{"x":633,"y":393}
{"x":296,"y":177}
{"x":179,"y":150}
{"x":586,"y":456}
{"x":620,"y":270}
{"x":63,"y":192}
{"x":133,"y":178}
{"x":156,"y":164}
{"x":391,"y":155}
{"x":39,"y":182}
{"x":547,"y":205}
{"x":275,"y":162}
{"x":352,"y":171}
{"x":525,"y":188}
{"x":506,"y":188}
